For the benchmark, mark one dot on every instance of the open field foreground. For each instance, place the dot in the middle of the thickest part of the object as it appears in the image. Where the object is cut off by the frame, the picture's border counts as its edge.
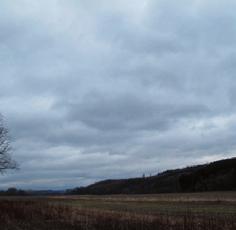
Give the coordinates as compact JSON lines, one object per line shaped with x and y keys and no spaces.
{"x":208,"y":211}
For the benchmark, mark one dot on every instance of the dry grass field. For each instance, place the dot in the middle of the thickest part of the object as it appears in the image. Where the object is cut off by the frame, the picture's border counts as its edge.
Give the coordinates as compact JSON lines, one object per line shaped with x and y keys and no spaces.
{"x":199,"y":211}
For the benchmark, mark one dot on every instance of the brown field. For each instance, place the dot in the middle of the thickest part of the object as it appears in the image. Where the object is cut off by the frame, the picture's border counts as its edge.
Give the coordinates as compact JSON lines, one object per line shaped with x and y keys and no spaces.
{"x":203,"y":211}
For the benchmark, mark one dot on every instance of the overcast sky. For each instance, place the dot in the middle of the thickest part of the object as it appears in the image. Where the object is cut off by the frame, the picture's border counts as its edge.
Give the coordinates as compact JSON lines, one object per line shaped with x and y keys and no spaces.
{"x":97,"y":89}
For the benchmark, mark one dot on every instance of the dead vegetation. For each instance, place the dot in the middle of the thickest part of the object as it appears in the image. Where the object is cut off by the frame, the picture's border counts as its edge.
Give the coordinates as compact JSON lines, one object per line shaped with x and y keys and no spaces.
{"x":42,"y":214}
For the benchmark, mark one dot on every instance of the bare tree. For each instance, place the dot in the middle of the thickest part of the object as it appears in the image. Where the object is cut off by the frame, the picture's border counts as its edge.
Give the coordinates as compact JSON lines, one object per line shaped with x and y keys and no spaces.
{"x":6,"y":161}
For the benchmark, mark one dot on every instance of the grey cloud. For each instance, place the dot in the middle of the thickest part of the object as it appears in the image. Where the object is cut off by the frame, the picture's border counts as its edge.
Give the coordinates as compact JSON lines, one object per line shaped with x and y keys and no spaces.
{"x":87,"y":88}
{"x":128,"y":112}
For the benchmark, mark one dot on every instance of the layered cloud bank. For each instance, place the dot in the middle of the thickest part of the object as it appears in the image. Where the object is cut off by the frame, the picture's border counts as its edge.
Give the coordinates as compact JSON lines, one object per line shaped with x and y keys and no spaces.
{"x":112,"y":89}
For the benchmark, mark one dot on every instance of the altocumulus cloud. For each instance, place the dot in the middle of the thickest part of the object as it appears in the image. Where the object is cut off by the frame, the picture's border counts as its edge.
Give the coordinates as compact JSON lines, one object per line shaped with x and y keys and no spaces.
{"x":113,"y":89}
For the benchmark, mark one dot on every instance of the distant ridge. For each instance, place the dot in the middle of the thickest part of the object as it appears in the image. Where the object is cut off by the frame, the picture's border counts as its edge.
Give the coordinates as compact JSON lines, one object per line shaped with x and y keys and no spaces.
{"x":215,"y":176}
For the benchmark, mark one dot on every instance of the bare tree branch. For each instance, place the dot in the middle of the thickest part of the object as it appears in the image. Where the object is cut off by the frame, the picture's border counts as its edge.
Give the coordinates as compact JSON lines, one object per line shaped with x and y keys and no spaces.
{"x":6,"y":161}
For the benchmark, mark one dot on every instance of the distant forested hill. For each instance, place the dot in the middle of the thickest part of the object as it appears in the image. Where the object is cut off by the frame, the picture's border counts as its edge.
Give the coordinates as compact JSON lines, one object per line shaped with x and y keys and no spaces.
{"x":216,"y":176}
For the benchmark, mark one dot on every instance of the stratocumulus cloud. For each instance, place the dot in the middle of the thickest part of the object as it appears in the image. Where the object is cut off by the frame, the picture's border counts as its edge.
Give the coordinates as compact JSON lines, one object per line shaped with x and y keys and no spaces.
{"x":114,"y":89}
